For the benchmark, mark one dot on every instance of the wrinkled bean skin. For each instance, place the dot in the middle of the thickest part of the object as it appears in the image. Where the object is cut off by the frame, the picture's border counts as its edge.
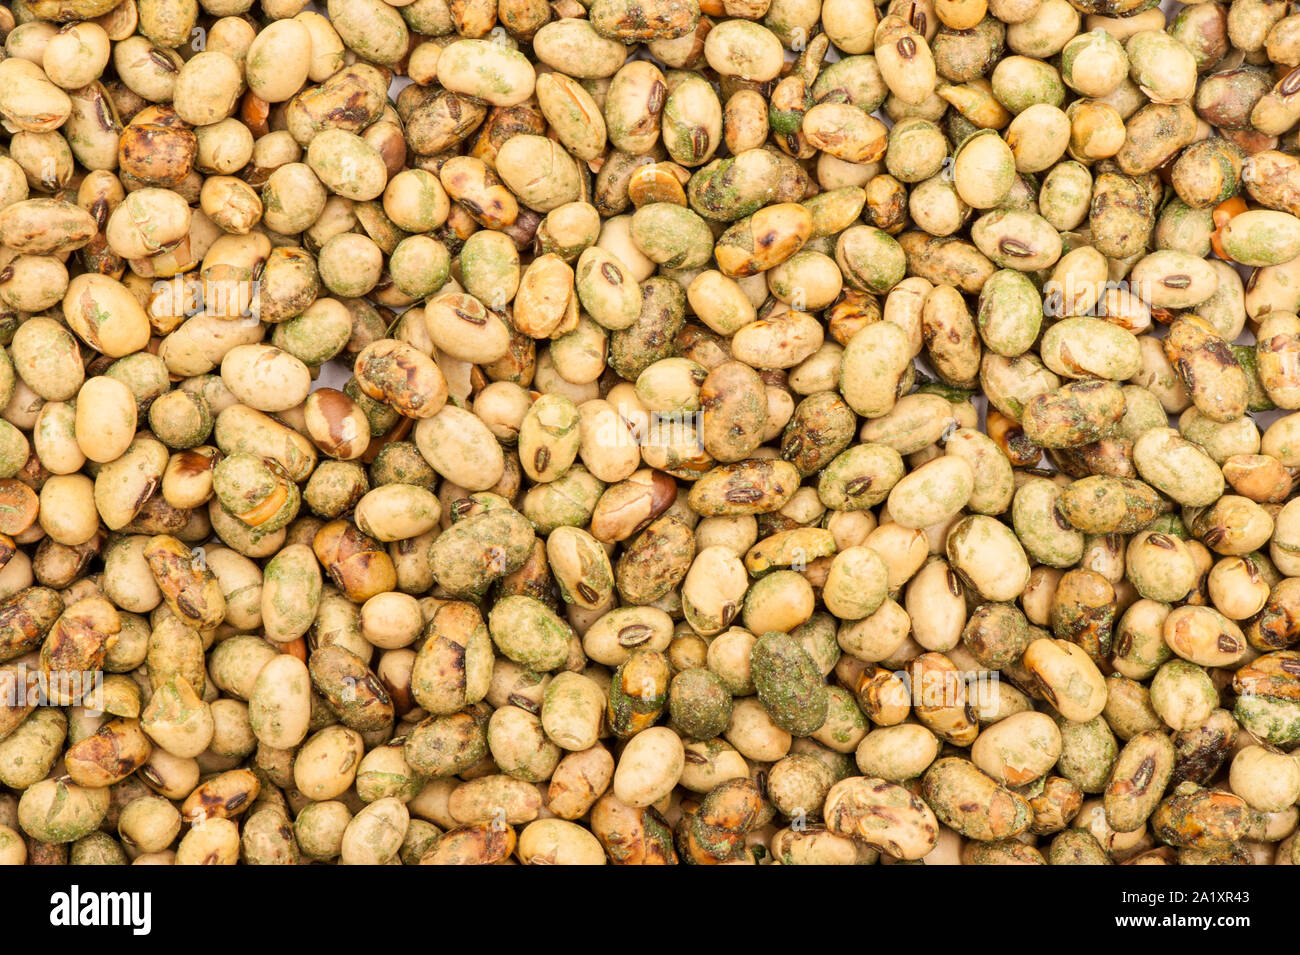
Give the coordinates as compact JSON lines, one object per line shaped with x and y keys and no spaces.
{"x":882,"y":814}
{"x":972,"y":803}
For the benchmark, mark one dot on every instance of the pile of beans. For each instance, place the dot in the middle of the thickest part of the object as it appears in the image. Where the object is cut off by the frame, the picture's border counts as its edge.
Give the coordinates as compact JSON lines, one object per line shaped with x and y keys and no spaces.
{"x":649,"y":431}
